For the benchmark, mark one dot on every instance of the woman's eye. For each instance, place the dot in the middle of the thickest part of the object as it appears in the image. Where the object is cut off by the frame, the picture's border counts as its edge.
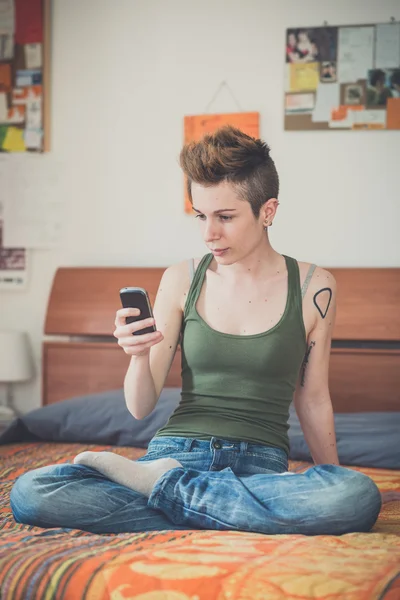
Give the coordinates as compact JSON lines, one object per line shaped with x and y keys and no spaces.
{"x":222,"y":217}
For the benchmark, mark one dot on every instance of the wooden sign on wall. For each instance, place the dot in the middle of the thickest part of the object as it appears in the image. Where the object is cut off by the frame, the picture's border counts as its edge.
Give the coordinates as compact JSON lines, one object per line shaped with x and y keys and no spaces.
{"x":195,"y":127}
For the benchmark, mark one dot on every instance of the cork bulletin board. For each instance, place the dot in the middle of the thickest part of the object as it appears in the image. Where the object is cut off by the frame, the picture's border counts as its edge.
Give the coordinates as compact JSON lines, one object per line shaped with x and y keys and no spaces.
{"x":24,"y":75}
{"x":343,"y":77}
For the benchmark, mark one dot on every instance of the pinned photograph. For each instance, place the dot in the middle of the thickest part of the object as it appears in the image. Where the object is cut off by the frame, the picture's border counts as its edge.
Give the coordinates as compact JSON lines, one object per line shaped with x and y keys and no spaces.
{"x":328,"y":72}
{"x":311,"y":45}
{"x":395,"y":83}
{"x":380,"y":86}
{"x":353,"y":94}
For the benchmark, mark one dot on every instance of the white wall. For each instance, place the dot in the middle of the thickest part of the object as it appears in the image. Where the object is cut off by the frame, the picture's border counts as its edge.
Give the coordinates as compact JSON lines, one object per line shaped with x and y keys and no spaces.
{"x":124,"y":73}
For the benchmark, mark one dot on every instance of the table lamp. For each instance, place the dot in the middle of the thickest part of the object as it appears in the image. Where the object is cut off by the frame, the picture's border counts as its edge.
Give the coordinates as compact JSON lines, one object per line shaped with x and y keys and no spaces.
{"x":15,"y":365}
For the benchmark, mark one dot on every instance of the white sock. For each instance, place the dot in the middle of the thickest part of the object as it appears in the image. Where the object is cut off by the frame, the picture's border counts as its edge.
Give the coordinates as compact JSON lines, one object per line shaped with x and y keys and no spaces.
{"x":137,"y":476}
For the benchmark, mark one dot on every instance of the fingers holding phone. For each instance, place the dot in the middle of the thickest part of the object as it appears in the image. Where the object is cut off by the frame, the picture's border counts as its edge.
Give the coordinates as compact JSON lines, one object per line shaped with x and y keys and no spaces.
{"x":135,"y":325}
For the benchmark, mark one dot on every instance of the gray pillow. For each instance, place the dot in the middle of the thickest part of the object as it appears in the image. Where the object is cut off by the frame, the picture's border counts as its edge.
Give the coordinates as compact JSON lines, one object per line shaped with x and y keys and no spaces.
{"x":365,"y":439}
{"x":94,"y":419}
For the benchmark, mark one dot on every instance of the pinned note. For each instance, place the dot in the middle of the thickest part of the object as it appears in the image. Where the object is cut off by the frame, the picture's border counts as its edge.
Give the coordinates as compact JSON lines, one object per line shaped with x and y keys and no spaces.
{"x":3,"y":107}
{"x":28,"y":77}
{"x":33,"y":139}
{"x":304,"y":76}
{"x":16,"y":115}
{"x":14,"y":140}
{"x":33,"y":56}
{"x":393,"y":113}
{"x":26,"y":94}
{"x":34,"y":114}
{"x":5,"y":77}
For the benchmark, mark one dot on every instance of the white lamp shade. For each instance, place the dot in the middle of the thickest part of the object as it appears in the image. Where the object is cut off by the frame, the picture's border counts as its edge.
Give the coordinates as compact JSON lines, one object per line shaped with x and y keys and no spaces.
{"x":15,"y":357}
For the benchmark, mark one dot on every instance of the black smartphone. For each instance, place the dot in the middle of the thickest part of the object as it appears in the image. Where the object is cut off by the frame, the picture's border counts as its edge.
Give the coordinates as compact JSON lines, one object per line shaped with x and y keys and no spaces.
{"x":136,"y":297}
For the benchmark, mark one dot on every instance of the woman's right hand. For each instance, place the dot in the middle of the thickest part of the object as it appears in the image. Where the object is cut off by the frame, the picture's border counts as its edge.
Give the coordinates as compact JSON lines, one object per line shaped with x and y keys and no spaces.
{"x":135,"y":345}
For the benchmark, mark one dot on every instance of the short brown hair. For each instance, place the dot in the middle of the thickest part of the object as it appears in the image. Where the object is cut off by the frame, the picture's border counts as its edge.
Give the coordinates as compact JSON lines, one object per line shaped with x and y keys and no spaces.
{"x":233,"y":156}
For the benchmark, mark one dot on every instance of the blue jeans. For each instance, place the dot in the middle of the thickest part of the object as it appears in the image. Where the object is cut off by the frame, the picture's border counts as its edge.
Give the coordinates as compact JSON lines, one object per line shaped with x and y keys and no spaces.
{"x":222,"y":485}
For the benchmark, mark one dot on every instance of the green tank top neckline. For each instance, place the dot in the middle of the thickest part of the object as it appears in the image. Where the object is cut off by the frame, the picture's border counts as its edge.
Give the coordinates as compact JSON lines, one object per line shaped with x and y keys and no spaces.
{"x":202,"y":269}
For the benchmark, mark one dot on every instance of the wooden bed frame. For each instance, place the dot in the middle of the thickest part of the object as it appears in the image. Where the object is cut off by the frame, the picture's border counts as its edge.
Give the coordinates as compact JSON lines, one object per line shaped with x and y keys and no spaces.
{"x":81,"y":356}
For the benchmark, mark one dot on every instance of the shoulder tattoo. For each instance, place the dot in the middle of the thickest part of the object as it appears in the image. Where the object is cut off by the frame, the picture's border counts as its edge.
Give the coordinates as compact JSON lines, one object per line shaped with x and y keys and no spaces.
{"x":323,"y":302}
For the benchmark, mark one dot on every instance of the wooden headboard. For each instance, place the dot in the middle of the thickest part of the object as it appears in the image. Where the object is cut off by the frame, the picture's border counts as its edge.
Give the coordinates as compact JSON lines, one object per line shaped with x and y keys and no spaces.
{"x":81,"y":356}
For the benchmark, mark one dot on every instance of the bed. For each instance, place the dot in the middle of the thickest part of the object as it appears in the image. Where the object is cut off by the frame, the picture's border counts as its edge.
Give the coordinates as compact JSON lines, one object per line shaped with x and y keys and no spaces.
{"x":80,"y":356}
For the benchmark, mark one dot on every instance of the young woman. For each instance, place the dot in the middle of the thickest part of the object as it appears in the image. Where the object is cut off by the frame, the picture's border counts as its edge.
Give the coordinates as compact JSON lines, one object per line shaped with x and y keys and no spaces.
{"x":255,"y":329}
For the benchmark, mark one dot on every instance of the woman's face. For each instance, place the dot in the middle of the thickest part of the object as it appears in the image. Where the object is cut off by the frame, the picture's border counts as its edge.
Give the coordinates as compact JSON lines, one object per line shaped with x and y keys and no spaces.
{"x":226,"y":222}
{"x":291,"y":40}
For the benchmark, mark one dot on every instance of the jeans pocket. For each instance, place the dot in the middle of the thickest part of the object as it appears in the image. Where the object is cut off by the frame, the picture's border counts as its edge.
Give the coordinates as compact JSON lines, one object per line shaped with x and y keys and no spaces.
{"x":254,"y":463}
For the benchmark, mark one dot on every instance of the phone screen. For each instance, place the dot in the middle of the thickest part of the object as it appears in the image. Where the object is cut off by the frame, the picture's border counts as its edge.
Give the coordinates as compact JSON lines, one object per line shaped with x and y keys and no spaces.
{"x":137,"y":298}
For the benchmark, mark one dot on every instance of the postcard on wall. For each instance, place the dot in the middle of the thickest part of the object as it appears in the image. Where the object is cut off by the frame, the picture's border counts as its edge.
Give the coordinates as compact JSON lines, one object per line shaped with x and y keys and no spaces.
{"x":299,"y":103}
{"x":13,"y":264}
{"x":198,"y":125}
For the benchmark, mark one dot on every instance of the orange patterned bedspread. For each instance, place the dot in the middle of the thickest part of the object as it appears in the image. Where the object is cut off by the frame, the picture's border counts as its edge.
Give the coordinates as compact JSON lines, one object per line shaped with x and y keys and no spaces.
{"x":48,"y":564}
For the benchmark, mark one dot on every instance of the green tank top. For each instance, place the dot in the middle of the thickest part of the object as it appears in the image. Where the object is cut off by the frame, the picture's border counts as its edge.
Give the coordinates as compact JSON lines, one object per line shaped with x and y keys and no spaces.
{"x":239,"y":387}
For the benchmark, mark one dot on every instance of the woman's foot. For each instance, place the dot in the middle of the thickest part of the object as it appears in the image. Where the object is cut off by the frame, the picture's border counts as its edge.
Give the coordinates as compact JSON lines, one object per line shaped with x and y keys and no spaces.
{"x":137,"y":476}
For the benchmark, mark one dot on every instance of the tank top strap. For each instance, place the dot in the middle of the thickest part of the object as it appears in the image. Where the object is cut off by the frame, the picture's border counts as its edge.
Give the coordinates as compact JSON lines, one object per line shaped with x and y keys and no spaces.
{"x":197,"y":283}
{"x":294,"y":289}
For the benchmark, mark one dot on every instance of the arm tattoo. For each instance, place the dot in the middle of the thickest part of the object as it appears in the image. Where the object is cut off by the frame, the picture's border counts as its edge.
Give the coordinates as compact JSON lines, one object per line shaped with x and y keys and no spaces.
{"x":305,"y":362}
{"x":323,"y":315}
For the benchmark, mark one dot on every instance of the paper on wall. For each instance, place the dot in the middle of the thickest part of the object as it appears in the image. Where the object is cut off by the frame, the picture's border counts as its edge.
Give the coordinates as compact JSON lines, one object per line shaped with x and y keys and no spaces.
{"x":26,"y":94}
{"x":355,"y":53}
{"x":29,"y":77}
{"x":299,"y":103}
{"x":342,"y":117}
{"x":369,"y":119}
{"x":387,"y":50}
{"x":32,"y":211}
{"x":33,"y":139}
{"x":6,"y":46}
{"x":7,"y":28}
{"x":34,"y":114}
{"x":13,"y":264}
{"x":327,"y":97}
{"x":5,"y":77}
{"x":33,"y":56}
{"x":304,"y":76}
{"x":15,"y":115}
{"x":13,"y":261}
{"x":393,"y":113}
{"x":7,"y":17}
{"x":14,"y":141}
{"x":3,"y":107}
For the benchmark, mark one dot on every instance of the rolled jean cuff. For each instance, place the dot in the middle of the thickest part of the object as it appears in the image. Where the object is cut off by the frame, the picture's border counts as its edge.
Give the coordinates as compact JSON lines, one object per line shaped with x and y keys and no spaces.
{"x":163,"y":492}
